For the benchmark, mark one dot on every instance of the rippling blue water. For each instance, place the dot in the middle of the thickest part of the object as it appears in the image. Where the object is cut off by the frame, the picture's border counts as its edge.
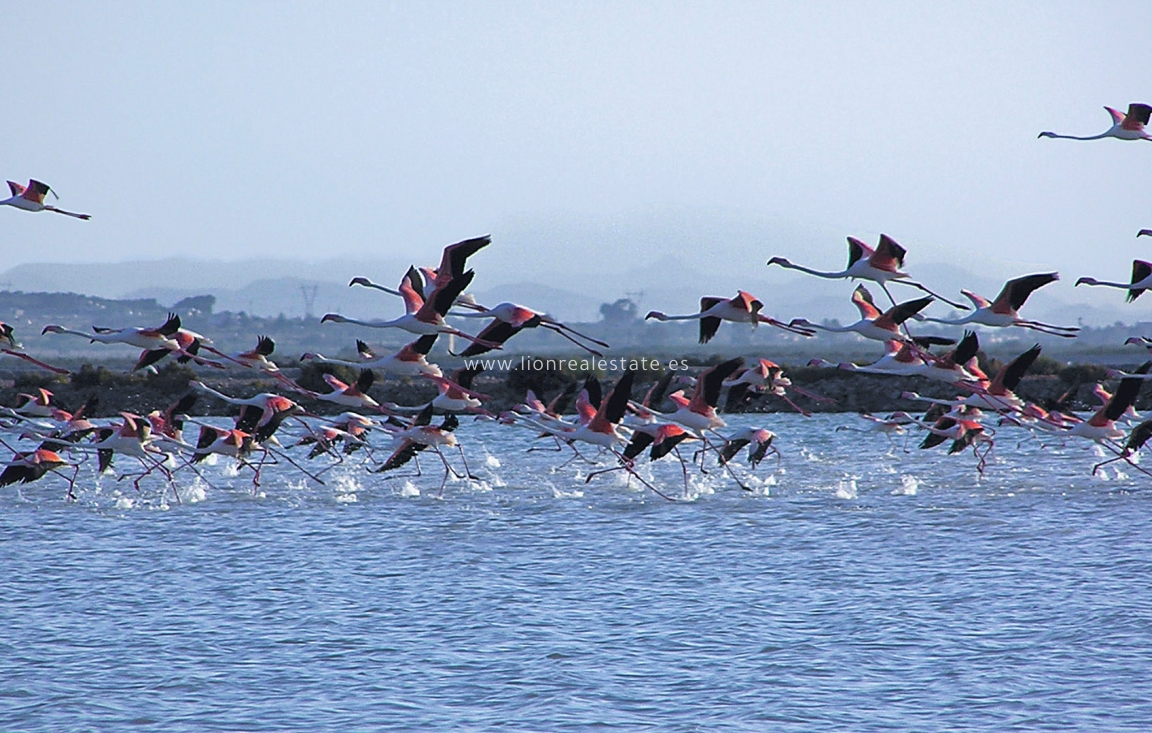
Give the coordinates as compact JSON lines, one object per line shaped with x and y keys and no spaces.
{"x":858,"y":588}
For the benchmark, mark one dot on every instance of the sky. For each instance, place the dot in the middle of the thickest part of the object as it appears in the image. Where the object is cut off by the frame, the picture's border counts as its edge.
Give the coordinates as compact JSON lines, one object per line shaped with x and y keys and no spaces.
{"x":312,"y":131}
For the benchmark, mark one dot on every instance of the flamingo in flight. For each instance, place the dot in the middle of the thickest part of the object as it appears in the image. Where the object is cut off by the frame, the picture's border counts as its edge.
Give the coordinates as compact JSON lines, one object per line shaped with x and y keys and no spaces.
{"x":425,"y":279}
{"x":873,"y":324}
{"x":148,"y":339}
{"x":31,"y":466}
{"x":1141,"y":280}
{"x":744,"y":308}
{"x":880,"y":265}
{"x":423,"y":317}
{"x":1101,"y":427}
{"x":411,"y":361}
{"x":31,"y":198}
{"x":9,"y":345}
{"x":1128,"y":126}
{"x":1002,"y":312}
{"x":511,"y":318}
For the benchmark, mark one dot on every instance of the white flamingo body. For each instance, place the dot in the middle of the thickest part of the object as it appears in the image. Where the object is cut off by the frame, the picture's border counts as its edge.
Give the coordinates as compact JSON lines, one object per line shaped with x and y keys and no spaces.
{"x":31,"y":198}
{"x":1128,"y":126}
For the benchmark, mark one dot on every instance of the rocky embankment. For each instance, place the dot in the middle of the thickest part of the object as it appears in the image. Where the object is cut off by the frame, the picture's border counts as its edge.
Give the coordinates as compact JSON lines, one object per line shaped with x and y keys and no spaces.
{"x":843,"y":391}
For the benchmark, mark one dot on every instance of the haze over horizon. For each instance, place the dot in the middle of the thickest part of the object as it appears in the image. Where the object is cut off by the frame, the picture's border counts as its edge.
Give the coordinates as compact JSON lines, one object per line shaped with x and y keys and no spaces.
{"x":226,"y":133}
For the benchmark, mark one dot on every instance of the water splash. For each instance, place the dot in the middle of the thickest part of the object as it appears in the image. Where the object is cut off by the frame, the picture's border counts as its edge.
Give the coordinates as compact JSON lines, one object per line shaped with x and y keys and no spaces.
{"x":846,"y":489}
{"x":909,"y":485}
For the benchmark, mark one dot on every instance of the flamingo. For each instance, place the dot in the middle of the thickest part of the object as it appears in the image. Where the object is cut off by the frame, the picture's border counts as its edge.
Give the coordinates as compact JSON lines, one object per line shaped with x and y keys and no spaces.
{"x":880,"y":265}
{"x":1101,"y":427}
{"x":422,"y":317}
{"x":262,"y":414}
{"x":961,"y":426}
{"x":744,"y":308}
{"x":1128,"y":126}
{"x":31,"y":198}
{"x":760,"y":440}
{"x":452,"y":262}
{"x":142,"y":338}
{"x":1136,"y":440}
{"x":763,"y":377}
{"x":351,"y":395}
{"x":664,"y":438}
{"x":1002,"y":312}
{"x":421,"y":435}
{"x":1141,"y":280}
{"x":994,"y":394}
{"x":873,"y":324}
{"x":512,"y":318}
{"x":32,"y":466}
{"x":409,"y":361}
{"x":9,"y":345}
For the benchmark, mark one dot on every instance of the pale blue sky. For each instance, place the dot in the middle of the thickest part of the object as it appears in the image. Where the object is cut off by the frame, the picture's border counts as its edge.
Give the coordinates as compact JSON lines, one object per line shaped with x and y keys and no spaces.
{"x":311,"y":130}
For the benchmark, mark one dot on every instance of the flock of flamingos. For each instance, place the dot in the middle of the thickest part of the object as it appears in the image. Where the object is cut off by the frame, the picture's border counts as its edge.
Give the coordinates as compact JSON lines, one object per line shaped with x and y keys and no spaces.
{"x":617,"y":428}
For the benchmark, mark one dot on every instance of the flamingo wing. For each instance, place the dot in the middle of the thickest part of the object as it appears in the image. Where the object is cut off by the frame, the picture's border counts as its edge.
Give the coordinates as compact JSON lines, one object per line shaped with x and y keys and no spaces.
{"x":709,"y":384}
{"x":1016,"y":291}
{"x":1125,"y":395}
{"x":888,"y":256}
{"x":1011,"y":373}
{"x":901,"y":312}
{"x":496,"y":332}
{"x":857,"y":250}
{"x":709,"y":324}
{"x":36,"y":191}
{"x":979,"y":301}
{"x":1117,"y":117}
{"x":1137,"y":117}
{"x":455,"y":255}
{"x":862,"y":299}
{"x":16,"y":188}
{"x":1141,"y":270}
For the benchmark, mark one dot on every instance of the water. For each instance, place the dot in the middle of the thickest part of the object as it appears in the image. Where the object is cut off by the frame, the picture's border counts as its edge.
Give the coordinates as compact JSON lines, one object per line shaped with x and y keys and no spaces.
{"x":857,"y":588}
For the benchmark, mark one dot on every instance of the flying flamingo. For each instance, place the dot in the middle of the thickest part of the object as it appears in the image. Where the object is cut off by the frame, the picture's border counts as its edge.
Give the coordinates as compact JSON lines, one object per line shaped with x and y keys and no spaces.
{"x":31,"y":466}
{"x":873,"y":324}
{"x":881,"y":265}
{"x":350,"y":395}
{"x":512,"y":318}
{"x":1002,"y":312}
{"x":1124,"y":126}
{"x":422,"y":317}
{"x":1141,"y":280}
{"x":425,"y":279}
{"x":9,"y":345}
{"x":142,"y":338}
{"x":1101,"y":427}
{"x":410,"y":361}
{"x":744,"y":308}
{"x":31,"y":198}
